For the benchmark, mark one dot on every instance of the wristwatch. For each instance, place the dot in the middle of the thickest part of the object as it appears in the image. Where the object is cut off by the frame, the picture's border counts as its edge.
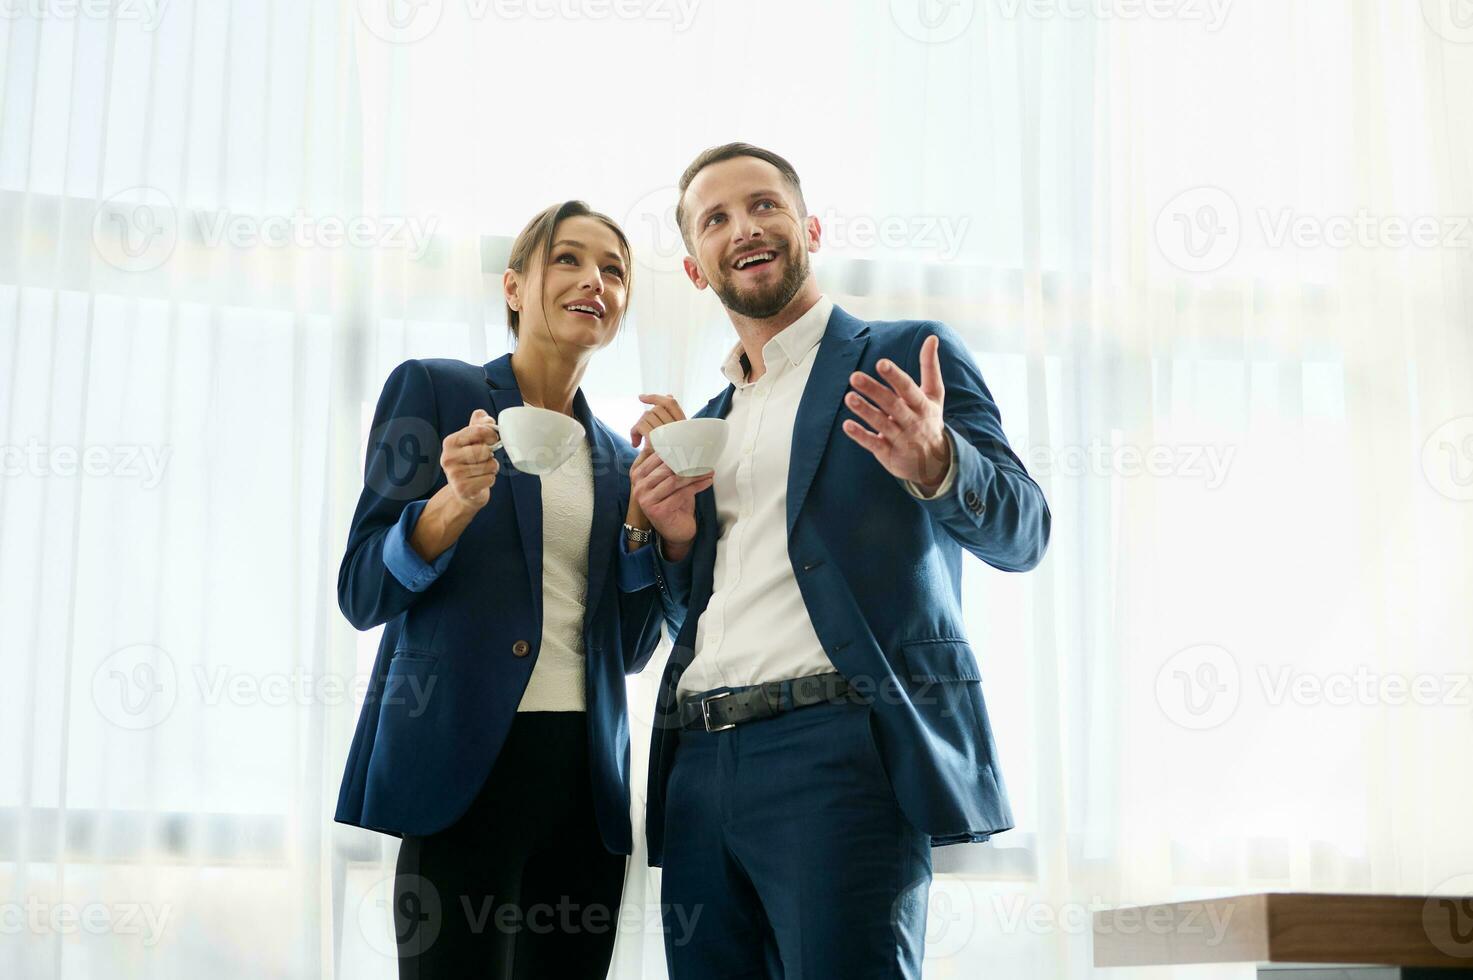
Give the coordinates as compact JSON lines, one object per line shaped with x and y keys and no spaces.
{"x":638,"y":535}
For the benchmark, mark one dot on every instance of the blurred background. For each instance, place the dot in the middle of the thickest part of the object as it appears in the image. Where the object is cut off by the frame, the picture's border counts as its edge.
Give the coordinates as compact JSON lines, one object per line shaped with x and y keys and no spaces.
{"x":1214,"y":257}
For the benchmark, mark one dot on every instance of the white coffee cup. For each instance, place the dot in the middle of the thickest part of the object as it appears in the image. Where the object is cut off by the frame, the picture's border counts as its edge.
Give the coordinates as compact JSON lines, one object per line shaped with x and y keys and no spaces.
{"x":537,"y":440}
{"x":690,"y":447}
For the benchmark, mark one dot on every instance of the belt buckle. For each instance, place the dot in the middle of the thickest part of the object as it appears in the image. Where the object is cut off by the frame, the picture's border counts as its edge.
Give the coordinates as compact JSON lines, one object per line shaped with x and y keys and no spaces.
{"x":706,"y":712}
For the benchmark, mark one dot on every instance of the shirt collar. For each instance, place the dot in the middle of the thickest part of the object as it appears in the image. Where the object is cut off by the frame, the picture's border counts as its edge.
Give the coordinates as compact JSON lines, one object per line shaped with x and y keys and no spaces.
{"x":793,"y":342}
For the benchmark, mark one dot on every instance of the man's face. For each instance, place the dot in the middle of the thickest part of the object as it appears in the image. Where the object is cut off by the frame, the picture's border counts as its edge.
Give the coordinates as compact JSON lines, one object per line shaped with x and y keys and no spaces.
{"x":749,"y":237}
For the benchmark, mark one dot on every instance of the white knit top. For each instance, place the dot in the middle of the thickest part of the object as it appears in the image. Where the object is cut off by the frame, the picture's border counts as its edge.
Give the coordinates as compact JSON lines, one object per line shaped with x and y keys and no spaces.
{"x":567,"y":516}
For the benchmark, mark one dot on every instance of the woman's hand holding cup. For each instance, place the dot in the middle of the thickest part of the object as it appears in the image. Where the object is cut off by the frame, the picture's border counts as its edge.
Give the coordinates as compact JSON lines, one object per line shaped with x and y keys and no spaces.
{"x":469,"y":461}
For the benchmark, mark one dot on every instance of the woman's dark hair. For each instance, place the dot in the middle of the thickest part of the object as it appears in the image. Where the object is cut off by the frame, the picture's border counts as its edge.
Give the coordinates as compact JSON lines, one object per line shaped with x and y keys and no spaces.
{"x":536,"y":240}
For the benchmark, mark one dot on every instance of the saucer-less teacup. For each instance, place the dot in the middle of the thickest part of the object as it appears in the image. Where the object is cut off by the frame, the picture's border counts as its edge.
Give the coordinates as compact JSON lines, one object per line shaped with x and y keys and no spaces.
{"x":537,"y":440}
{"x":690,"y":447}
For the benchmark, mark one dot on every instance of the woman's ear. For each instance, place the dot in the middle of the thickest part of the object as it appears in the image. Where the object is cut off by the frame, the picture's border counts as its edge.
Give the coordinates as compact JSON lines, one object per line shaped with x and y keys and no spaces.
{"x":511,"y":286}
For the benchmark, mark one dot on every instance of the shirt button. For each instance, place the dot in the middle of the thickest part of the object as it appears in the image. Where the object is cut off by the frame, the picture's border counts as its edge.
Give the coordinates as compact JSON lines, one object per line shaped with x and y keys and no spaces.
{"x":520,"y":648}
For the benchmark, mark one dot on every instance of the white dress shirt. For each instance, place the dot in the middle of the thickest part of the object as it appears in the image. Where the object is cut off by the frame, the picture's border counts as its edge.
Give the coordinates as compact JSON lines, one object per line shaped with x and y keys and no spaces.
{"x":756,"y":628}
{"x":557,"y":681}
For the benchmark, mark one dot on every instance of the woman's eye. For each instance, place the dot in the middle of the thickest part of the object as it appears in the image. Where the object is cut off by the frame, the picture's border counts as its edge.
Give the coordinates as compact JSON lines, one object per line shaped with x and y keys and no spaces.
{"x":568,"y":256}
{"x":614,"y":270}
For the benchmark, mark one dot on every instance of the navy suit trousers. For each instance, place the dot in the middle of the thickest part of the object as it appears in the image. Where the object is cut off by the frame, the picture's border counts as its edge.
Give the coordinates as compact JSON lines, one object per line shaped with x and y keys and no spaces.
{"x":787,"y":855}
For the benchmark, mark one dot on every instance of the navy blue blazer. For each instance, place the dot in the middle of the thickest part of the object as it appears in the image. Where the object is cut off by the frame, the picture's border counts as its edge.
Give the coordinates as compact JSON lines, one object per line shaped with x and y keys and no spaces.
{"x":880,"y":574}
{"x":462,"y":634}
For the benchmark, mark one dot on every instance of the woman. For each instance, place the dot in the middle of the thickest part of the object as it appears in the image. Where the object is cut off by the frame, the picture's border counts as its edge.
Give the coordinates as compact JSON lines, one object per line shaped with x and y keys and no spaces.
{"x":494,"y":737}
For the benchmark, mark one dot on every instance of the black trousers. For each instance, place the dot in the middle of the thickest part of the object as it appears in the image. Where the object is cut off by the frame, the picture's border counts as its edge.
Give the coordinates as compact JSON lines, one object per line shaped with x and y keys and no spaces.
{"x":521,"y":886}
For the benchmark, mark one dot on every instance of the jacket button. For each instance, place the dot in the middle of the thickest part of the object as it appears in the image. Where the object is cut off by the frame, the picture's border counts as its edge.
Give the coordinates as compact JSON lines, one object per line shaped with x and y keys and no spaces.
{"x":520,"y":648}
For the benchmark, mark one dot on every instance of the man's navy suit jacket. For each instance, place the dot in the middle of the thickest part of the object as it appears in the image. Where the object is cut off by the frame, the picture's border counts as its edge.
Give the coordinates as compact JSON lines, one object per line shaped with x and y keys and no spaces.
{"x":880,"y":574}
{"x":462,"y":634}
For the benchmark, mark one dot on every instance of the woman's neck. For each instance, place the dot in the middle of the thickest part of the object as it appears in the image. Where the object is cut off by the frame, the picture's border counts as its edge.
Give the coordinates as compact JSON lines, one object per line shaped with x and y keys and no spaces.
{"x":547,"y":379}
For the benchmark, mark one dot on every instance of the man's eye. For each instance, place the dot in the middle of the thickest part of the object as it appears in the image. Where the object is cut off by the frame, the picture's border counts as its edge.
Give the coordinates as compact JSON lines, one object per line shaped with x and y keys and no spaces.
{"x":766,"y":204}
{"x":713,"y":219}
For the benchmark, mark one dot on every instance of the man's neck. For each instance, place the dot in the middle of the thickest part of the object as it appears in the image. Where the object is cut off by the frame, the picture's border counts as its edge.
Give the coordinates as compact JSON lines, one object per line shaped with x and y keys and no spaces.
{"x":754,"y":333}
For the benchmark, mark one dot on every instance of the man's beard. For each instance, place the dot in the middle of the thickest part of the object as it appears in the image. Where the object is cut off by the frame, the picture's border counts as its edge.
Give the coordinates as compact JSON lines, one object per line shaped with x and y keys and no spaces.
{"x":762,"y":302}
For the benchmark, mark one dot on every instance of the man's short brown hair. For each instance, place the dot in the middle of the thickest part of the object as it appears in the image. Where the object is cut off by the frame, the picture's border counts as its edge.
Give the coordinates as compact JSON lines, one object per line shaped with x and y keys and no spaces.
{"x":729,"y":151}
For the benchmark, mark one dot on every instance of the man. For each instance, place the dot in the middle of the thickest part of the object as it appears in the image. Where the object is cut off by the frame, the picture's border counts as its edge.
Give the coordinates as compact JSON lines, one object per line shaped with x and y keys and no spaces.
{"x":821,"y":723}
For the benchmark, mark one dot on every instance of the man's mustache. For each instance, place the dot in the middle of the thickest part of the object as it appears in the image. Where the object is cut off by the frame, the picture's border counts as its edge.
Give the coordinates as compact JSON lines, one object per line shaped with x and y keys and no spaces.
{"x":778,"y":245}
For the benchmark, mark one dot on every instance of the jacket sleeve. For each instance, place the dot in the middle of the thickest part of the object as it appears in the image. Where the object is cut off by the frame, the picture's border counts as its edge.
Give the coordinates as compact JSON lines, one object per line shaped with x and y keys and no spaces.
{"x":673,"y":582}
{"x":380,"y":575}
{"x":992,"y":508}
{"x":639,"y":605}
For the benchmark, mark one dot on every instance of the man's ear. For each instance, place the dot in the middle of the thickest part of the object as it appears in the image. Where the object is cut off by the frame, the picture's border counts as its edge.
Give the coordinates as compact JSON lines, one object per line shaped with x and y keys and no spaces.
{"x":693,"y":273}
{"x":511,"y":286}
{"x":813,"y":232}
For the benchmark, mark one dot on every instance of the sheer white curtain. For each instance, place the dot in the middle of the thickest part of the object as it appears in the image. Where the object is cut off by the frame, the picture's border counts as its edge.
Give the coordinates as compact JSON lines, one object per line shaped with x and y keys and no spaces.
{"x":1214,"y":259}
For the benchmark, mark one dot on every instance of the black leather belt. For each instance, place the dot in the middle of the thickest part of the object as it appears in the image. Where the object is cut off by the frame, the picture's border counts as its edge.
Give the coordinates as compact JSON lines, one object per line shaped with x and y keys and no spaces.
{"x":727,"y":709}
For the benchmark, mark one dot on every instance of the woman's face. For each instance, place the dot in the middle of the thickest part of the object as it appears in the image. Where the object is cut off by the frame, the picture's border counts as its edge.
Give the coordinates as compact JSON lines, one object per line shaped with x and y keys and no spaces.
{"x":583,"y":287}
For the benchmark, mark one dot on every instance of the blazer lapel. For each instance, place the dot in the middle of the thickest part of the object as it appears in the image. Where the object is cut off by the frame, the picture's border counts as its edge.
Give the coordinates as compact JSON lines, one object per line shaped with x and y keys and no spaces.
{"x":843,"y":343}
{"x":526,"y":491}
{"x":603,"y":535}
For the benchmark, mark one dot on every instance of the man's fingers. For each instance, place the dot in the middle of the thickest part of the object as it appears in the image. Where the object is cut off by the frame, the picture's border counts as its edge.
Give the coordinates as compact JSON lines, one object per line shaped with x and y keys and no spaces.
{"x":871,"y":415}
{"x":869,"y":440}
{"x":884,"y":398}
{"x":932,"y":385}
{"x":643,"y":467}
{"x":903,"y":384}
{"x":666,"y":402}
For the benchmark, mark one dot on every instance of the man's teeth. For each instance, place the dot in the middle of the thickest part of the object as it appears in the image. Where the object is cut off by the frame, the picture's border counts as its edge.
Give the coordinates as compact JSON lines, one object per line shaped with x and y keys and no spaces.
{"x":747,"y":260}
{"x":580,"y":308}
